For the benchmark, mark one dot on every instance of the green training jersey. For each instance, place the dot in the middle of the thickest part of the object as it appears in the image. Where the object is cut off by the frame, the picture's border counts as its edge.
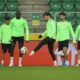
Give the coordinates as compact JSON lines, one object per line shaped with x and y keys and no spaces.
{"x":64,"y":29}
{"x":5,"y":34}
{"x":77,"y":33}
{"x":19,"y":27}
{"x":50,"y":29}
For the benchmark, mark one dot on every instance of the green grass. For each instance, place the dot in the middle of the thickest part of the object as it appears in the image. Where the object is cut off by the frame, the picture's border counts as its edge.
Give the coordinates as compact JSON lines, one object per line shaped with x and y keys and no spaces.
{"x":39,"y":73}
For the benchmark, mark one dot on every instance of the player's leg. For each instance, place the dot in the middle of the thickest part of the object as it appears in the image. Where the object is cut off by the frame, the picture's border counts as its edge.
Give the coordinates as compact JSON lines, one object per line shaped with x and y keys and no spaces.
{"x":21,"y":44}
{"x":14,"y":39}
{"x":50,"y":47}
{"x":4,"y":51}
{"x":78,"y":54}
{"x":11,"y":55}
{"x":43,"y":42}
{"x":78,"y":58}
{"x":60,"y":49}
{"x":65,"y":48}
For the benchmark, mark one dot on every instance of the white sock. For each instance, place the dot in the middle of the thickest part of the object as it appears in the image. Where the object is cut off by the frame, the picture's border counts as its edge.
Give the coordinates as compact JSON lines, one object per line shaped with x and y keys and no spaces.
{"x":32,"y":53}
{"x":55,"y":63}
{"x":20,"y":61}
{"x":78,"y":61}
{"x":11,"y":61}
{"x":67,"y":62}
{"x":2,"y":62}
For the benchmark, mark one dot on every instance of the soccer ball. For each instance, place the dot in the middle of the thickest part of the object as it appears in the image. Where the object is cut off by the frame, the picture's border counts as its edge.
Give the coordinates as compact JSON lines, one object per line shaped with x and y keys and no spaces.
{"x":60,"y":53}
{"x":23,"y":50}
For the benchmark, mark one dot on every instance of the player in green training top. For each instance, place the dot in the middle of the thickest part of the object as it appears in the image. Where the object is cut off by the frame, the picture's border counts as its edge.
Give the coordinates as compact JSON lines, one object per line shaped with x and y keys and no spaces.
{"x":50,"y":34}
{"x":19,"y":27}
{"x":77,"y":36}
{"x":5,"y":38}
{"x":64,"y":28}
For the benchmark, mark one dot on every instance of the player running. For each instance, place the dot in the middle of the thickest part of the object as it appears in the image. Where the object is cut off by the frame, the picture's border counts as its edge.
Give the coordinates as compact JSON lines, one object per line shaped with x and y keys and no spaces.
{"x":50,"y":33}
{"x":77,"y":36}
{"x":19,"y":27}
{"x":64,"y":28}
{"x":5,"y":39}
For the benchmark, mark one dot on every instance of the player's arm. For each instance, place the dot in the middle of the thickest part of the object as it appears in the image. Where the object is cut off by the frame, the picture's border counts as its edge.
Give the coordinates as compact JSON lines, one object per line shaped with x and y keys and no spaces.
{"x":76,"y":34}
{"x":57,"y":31}
{"x":72,"y":32}
{"x":27,"y":30}
{"x":11,"y":24}
{"x":44,"y":33}
{"x":0,"y":34}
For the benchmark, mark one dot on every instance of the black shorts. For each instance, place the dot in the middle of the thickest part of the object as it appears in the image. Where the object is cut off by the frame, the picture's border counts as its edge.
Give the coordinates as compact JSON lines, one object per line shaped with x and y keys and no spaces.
{"x":78,"y":45}
{"x":7,"y":48}
{"x":20,"y":41}
{"x":62,"y":44}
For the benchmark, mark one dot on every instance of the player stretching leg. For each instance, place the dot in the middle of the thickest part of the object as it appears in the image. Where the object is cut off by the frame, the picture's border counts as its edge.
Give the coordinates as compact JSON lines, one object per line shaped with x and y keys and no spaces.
{"x":19,"y":26}
{"x":50,"y":37}
{"x":5,"y":38}
{"x":63,"y":29}
{"x":77,"y":36}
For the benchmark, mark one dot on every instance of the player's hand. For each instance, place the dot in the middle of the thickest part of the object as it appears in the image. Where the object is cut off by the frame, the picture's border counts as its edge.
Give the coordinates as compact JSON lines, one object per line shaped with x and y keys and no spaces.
{"x":40,"y":36}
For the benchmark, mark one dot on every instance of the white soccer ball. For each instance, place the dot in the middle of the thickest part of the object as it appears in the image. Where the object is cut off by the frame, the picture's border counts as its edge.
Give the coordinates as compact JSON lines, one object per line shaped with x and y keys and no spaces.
{"x":60,"y":53}
{"x":23,"y":50}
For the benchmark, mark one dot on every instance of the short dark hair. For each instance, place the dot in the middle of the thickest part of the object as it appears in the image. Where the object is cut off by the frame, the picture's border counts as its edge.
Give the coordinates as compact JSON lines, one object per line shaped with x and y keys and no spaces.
{"x":62,"y":13}
{"x":46,"y":14}
{"x":18,"y":12}
{"x":7,"y":18}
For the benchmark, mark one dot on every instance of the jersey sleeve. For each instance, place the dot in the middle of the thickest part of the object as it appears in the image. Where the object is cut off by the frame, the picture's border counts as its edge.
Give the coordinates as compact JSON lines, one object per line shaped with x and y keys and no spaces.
{"x":11,"y":23}
{"x":57,"y":31}
{"x":72,"y":32}
{"x":27,"y":30}
{"x":0,"y":33}
{"x":44,"y":33}
{"x":76,"y":33}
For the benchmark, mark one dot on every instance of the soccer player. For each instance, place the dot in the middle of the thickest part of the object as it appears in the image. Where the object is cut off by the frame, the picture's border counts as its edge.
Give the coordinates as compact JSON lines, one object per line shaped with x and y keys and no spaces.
{"x":64,"y":28}
{"x":19,"y":27}
{"x":5,"y":38}
{"x":77,"y":36}
{"x":50,"y":34}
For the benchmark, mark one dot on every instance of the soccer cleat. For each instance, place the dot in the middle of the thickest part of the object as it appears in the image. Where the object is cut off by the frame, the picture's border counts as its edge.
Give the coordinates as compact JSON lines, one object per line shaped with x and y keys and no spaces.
{"x":20,"y":65}
{"x":77,"y":64}
{"x":65,"y":63}
{"x":32,"y":53}
{"x":11,"y":64}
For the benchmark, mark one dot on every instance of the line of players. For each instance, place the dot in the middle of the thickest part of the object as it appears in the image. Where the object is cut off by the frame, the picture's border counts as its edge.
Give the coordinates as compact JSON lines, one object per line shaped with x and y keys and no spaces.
{"x":12,"y":31}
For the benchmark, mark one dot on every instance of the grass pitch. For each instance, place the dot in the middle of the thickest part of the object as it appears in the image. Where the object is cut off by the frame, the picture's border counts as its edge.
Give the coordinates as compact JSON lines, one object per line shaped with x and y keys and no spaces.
{"x":39,"y":73}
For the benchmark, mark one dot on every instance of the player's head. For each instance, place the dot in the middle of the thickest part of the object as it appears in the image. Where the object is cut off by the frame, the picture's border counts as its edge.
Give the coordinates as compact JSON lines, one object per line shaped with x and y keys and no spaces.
{"x":18,"y":14}
{"x":46,"y":15}
{"x":7,"y":20}
{"x":62,"y":15}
